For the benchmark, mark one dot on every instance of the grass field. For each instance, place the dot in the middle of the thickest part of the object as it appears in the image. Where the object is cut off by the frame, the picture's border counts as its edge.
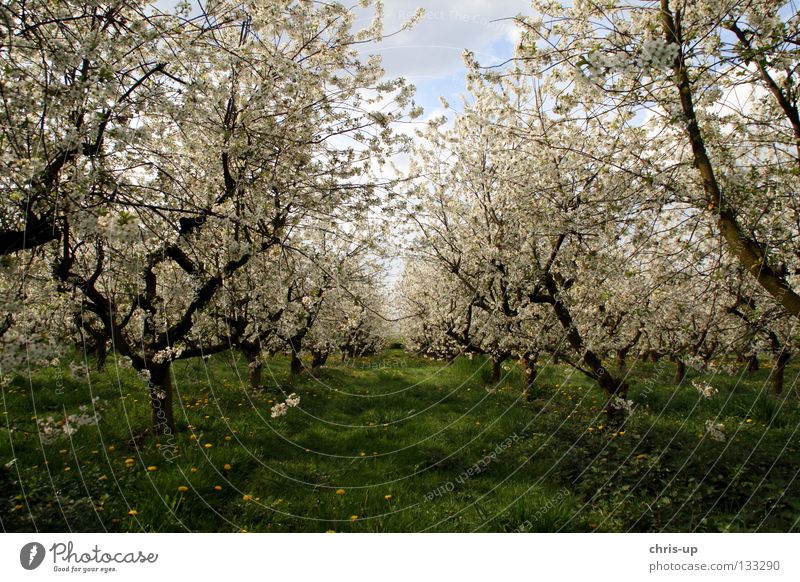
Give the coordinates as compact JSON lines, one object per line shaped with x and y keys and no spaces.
{"x":398,"y":443}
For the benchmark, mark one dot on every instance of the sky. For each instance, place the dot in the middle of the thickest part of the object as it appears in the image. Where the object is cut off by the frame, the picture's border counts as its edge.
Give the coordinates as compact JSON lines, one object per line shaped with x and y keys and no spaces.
{"x":429,"y":55}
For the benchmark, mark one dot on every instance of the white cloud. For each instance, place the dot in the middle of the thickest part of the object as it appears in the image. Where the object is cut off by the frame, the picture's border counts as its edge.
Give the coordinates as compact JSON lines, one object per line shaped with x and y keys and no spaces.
{"x":433,"y":48}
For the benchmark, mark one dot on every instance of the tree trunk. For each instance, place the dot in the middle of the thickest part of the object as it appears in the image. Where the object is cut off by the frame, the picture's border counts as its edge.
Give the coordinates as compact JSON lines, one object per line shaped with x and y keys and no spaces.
{"x":296,"y":366}
{"x":160,"y":387}
{"x":254,"y":366}
{"x":295,"y":345}
{"x":254,"y":374}
{"x":101,"y":352}
{"x":752,"y":363}
{"x":530,"y":372}
{"x":749,"y":251}
{"x":622,"y":364}
{"x":777,"y":371}
{"x":613,"y":387}
{"x":680,"y":371}
{"x":318,"y":359}
{"x":497,"y":368}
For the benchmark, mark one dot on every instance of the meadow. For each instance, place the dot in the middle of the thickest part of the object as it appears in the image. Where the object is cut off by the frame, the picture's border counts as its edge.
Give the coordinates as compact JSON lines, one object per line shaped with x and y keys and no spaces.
{"x":400,"y":443}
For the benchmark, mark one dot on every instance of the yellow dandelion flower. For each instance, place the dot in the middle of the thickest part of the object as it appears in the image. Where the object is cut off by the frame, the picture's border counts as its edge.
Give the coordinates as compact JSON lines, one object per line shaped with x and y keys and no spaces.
{"x":152,"y":468}
{"x":112,"y":448}
{"x":353,"y":517}
{"x":749,"y":420}
{"x":194,"y":469}
{"x":217,"y":487}
{"x":183,"y":488}
{"x":387,"y":497}
{"x":228,"y":438}
{"x":226,"y":467}
{"x":340,"y":492}
{"x":133,"y":512}
{"x":102,"y":478}
{"x":208,"y":445}
{"x":247,"y":497}
{"x":622,"y":433}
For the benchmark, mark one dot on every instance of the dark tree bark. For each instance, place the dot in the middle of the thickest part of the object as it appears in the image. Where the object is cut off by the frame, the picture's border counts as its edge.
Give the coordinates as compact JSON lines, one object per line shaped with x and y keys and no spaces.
{"x":622,"y":363}
{"x":497,"y":368}
{"x":296,"y":365}
{"x":318,"y":359}
{"x":778,"y":370}
{"x":254,"y":365}
{"x":593,"y":365}
{"x":752,"y":363}
{"x":254,"y":374}
{"x":101,"y":353}
{"x":680,"y":371}
{"x":530,"y":372}
{"x":160,"y":388}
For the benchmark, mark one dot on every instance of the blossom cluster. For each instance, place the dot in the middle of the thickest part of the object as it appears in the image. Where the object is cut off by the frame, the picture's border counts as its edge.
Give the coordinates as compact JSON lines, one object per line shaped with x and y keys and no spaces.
{"x":51,"y":429}
{"x":280,"y":409}
{"x":705,"y":389}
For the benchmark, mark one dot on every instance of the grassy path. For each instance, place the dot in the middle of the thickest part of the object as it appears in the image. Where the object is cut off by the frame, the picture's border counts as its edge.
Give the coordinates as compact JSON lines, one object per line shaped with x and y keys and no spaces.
{"x":398,"y":443}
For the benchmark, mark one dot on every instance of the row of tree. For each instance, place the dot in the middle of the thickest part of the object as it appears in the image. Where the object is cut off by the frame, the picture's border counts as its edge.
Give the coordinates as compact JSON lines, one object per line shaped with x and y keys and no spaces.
{"x":178,"y":184}
{"x":627,"y":187}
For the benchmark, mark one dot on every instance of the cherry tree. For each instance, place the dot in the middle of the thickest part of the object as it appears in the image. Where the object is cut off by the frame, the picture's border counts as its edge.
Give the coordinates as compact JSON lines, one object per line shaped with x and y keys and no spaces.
{"x":223,"y":144}
{"x":512,"y":208}
{"x":717,"y":84}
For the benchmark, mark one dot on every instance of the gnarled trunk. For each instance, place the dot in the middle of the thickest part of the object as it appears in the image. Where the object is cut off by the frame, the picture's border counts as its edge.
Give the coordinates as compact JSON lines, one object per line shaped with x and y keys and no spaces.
{"x":254,"y":374}
{"x":101,"y":353}
{"x":778,"y":370}
{"x":162,"y":420}
{"x":594,"y":368}
{"x":622,"y":364}
{"x":752,"y":363}
{"x":530,"y":372}
{"x":318,"y":359}
{"x":296,"y":365}
{"x":680,"y":371}
{"x":254,"y":366}
{"x":497,"y":368}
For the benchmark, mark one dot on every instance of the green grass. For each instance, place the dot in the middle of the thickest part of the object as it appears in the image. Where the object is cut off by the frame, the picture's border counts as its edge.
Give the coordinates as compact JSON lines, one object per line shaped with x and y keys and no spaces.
{"x":400,"y":443}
